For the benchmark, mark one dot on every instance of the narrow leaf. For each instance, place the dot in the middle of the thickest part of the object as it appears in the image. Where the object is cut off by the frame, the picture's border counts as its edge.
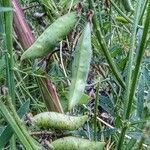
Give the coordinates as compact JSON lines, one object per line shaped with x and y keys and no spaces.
{"x":140,"y":97}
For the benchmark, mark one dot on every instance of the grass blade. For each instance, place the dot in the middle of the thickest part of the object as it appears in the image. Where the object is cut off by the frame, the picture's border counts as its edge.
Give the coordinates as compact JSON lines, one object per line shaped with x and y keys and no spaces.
{"x":14,"y":126}
{"x":8,"y":132}
{"x":104,"y":48}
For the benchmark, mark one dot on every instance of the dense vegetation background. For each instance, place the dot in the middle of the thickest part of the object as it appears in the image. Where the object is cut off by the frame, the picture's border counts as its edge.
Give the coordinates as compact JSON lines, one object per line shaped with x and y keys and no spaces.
{"x":92,"y":63}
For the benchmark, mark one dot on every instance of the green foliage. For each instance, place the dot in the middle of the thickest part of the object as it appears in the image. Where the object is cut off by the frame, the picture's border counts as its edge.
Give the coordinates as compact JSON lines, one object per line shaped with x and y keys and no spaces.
{"x":91,"y":72}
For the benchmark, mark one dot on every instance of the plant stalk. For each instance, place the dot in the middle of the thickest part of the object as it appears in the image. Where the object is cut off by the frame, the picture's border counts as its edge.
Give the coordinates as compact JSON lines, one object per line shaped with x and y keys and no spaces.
{"x":139,"y":60}
{"x":136,"y":72}
{"x":132,"y":50}
{"x":95,"y":111}
{"x":14,"y":125}
{"x":9,"y":51}
{"x":104,"y":48}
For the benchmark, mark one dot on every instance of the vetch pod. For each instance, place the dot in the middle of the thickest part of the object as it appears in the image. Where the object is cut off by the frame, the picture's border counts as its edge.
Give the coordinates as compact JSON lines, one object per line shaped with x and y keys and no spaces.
{"x":60,"y":121}
{"x":80,"y":67}
{"x":121,"y":20}
{"x":55,"y":33}
{"x":75,"y":143}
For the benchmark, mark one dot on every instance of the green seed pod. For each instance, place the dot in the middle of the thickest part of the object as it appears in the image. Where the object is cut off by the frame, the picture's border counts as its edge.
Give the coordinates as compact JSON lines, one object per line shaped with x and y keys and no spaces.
{"x":127,"y":5}
{"x":55,"y":33}
{"x":74,"y":143}
{"x":121,"y":20}
{"x":81,"y":66}
{"x":56,"y":120}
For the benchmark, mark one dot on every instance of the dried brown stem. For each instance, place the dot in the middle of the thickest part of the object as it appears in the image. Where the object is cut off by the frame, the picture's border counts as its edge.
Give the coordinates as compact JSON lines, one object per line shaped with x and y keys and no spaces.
{"x":22,"y":29}
{"x":26,"y":38}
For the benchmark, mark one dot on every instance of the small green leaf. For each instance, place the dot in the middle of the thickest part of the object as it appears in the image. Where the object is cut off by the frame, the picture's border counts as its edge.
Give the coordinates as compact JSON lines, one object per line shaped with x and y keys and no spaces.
{"x":84,"y":99}
{"x":107,"y":104}
{"x":140,"y":96}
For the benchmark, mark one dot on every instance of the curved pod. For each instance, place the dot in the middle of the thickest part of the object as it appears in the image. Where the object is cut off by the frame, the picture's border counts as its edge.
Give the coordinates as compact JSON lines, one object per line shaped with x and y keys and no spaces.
{"x":81,"y":66}
{"x":74,"y":143}
{"x":56,"y":120}
{"x":55,"y":33}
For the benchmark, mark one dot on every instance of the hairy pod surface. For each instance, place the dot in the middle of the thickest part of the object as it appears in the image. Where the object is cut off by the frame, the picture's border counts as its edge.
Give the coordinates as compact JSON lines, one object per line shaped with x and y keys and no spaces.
{"x":80,"y":67}
{"x":55,"y":33}
{"x":127,"y":5}
{"x":74,"y":143}
{"x":56,"y":120}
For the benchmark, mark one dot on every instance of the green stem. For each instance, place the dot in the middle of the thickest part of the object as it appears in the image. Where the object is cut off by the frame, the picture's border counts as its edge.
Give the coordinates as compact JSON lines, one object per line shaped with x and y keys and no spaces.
{"x":13,"y":143}
{"x":143,"y":10}
{"x":136,"y":73}
{"x":14,"y":125}
{"x":9,"y":50}
{"x":139,"y":61}
{"x":95,"y":111}
{"x":121,"y":139}
{"x":2,"y":23}
{"x":21,"y":125}
{"x":132,"y":50}
{"x":9,"y":56}
{"x":104,"y":48}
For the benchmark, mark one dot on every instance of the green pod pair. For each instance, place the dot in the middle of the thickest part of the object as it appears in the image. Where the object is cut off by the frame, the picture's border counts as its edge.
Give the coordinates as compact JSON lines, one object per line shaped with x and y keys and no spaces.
{"x":55,"y":33}
{"x":60,"y":121}
{"x":80,"y":67}
{"x":74,"y":143}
